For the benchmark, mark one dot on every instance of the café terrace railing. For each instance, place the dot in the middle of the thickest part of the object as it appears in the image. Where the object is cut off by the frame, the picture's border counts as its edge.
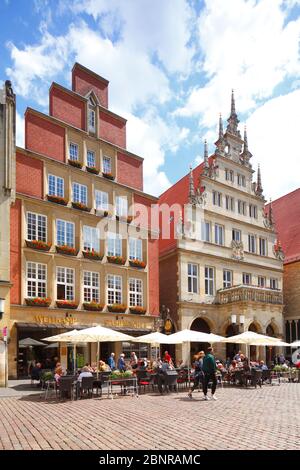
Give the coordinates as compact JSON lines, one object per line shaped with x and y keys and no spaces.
{"x":245,"y":293}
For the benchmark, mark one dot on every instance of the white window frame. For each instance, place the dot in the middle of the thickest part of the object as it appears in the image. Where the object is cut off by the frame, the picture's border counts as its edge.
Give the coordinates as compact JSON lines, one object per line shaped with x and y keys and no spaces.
{"x":219,"y":234}
{"x":73,"y":151}
{"x":114,"y":244}
{"x":88,"y":154}
{"x":91,"y":238}
{"x":66,"y":225}
{"x":115,"y":291}
{"x":59,"y":186}
{"x":252,"y":243}
{"x":261,"y":284}
{"x":193,"y":278}
{"x":92,"y":120}
{"x":241,"y":180}
{"x":101,"y":197}
{"x":217,"y":198}
{"x":121,"y":206}
{"x":135,"y":248}
{"x":253,"y":211}
{"x":35,"y":229}
{"x":227,"y":278}
{"x":229,"y":175}
{"x":37,"y":278}
{"x":91,"y":286}
{"x":209,"y":280}
{"x":135,"y":293}
{"x":241,"y":207}
{"x":205,"y":231}
{"x":69,"y":286}
{"x":263,"y":252}
{"x":79,"y":193}
{"x":250,"y":279}
{"x":105,"y":161}
{"x":273,"y":283}
{"x":234,"y":232}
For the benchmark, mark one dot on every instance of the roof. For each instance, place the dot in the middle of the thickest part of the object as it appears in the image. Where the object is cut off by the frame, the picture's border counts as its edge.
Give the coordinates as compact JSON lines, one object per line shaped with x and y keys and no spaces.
{"x":286,"y":213}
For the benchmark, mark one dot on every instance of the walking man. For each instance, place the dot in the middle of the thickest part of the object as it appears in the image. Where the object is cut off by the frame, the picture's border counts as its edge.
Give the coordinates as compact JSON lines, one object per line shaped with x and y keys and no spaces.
{"x":209,"y":368}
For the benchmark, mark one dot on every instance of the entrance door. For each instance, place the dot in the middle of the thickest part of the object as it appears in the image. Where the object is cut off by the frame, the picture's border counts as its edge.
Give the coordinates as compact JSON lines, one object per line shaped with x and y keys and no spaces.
{"x":199,"y":325}
{"x":231,"y":348}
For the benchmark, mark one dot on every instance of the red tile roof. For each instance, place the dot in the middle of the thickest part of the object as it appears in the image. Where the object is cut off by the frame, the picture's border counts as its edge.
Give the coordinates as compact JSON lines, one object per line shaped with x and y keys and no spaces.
{"x":286,"y":211}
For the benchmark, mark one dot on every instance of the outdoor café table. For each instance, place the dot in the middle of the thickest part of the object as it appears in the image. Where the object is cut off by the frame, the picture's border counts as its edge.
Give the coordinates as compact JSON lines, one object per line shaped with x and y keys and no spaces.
{"x":128,"y":385}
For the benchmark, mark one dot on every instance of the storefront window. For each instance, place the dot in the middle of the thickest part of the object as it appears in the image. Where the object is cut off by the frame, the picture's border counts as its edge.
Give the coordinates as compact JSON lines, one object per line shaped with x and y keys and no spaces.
{"x":141,"y":349}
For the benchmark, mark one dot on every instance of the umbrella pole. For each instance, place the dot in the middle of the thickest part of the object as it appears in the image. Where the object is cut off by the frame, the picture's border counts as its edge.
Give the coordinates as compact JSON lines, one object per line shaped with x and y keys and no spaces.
{"x":189,"y":364}
{"x":97,"y":360}
{"x":74,"y":358}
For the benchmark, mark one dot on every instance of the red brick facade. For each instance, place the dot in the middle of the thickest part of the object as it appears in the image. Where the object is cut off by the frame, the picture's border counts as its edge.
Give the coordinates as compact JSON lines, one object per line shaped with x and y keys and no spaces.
{"x":130,"y":171}
{"x":15,"y":252}
{"x":112,"y":129}
{"x":83,"y":81}
{"x":68,"y":108}
{"x":168,"y":279}
{"x":29,"y":176}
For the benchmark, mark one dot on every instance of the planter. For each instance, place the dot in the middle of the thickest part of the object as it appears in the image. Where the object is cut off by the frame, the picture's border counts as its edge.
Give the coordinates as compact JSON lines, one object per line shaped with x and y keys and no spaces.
{"x":57,"y":199}
{"x":135,"y":263}
{"x":101,"y":213}
{"x":116,"y":260}
{"x":66,"y":250}
{"x":80,"y":206}
{"x":38,"y":302}
{"x":75,"y":163}
{"x":38,"y":245}
{"x":93,"y":306}
{"x":66,"y":304}
{"x":117,"y":308}
{"x":137,"y":310}
{"x":92,"y":169}
{"x":94,"y":255}
{"x":109,"y":176}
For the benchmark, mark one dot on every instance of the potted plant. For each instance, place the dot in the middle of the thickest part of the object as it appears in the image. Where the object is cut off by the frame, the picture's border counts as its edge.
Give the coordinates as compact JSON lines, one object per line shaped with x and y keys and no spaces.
{"x":136,"y":263}
{"x":101,"y":213}
{"x":38,"y":245}
{"x":38,"y":301}
{"x":75,"y":163}
{"x":109,"y":176}
{"x":92,"y":169}
{"x":92,"y":254}
{"x":57,"y":199}
{"x":117,"y":308}
{"x":137,"y":310}
{"x":93,"y":306}
{"x":66,"y":304}
{"x":116,"y":260}
{"x":80,"y":206}
{"x":66,"y":250}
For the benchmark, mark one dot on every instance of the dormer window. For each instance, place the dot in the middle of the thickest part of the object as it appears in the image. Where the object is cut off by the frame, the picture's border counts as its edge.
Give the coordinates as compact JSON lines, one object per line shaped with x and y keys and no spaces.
{"x":92,"y":120}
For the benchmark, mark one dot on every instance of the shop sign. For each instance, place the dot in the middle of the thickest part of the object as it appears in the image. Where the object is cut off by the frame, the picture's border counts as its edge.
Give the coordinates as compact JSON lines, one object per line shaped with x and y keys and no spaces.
{"x":43,"y":319}
{"x":168,"y":326}
{"x":124,"y":323}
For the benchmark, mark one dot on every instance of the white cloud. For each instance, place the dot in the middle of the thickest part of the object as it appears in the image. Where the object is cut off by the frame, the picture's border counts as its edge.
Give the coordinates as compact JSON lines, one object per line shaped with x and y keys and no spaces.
{"x":20,"y":130}
{"x":273,"y":131}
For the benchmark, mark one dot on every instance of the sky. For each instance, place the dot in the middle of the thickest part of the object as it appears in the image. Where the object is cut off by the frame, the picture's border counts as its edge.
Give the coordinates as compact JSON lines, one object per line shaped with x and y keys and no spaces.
{"x":171,"y":65}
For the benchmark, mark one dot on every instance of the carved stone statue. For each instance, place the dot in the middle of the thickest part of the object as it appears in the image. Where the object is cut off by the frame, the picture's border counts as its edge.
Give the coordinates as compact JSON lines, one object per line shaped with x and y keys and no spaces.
{"x":278,"y":251}
{"x":237,"y":250}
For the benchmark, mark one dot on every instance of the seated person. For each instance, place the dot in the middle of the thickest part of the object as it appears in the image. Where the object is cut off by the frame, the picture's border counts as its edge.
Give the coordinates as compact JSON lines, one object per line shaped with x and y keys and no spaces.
{"x":58,"y":373}
{"x":233,"y":366}
{"x":103,"y":367}
{"x":36,"y":372}
{"x":262,"y":366}
{"x":84,"y":373}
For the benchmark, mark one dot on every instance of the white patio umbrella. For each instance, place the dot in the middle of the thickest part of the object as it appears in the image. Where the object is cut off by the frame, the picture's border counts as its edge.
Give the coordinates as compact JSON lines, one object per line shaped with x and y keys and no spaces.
{"x":67,"y":337}
{"x":26,"y":342}
{"x":155,"y":339}
{"x":295,"y":344}
{"x":250,"y":338}
{"x":52,"y":345}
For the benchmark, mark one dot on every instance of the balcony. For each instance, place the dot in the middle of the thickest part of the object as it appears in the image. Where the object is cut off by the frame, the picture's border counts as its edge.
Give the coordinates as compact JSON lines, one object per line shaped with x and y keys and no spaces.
{"x":244,"y":293}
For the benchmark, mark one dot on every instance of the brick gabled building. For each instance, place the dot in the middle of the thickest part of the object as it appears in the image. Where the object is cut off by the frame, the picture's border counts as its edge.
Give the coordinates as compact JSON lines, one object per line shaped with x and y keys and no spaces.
{"x":286,"y":213}
{"x":219,"y":272}
{"x":77,"y":257}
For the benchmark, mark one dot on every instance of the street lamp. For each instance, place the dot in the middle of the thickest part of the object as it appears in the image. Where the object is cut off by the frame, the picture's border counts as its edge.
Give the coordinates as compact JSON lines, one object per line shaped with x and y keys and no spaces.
{"x":242,"y":319}
{"x":233,"y":318}
{"x":1,"y":308}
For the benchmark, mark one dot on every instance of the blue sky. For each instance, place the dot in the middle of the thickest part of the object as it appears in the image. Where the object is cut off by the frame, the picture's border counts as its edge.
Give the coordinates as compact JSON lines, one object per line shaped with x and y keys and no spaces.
{"x":171,"y":66}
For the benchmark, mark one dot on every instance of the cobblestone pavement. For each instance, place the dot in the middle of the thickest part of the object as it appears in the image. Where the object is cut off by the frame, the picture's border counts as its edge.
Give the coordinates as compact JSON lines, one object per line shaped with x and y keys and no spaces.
{"x":267,"y":418}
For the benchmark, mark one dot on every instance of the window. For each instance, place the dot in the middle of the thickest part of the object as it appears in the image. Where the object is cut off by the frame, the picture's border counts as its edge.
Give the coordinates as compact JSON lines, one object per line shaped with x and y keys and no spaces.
{"x":236,"y":235}
{"x":247,"y":279}
{"x":90,"y":238}
{"x":55,"y":186}
{"x":229,"y":202}
{"x":64,"y":233}
{"x":262,"y":246}
{"x":73,"y":150}
{"x":273,"y":283}
{"x":91,"y":292}
{"x":114,"y":244}
{"x":121,"y":206}
{"x":261,"y":281}
{"x":227,"y":278}
{"x":219,"y":234}
{"x":65,"y":283}
{"x":79,"y":193}
{"x":36,"y":227}
{"x":90,"y":158}
{"x":229,"y":176}
{"x":135,"y":249}
{"x":205,"y":231}
{"x":106,"y":164}
{"x":253,"y":211}
{"x":36,"y":279}
{"x":92,"y":120}
{"x":241,"y":207}
{"x":135,"y":293}
{"x":251,"y":243}
{"x":114,"y":289}
{"x":241,"y":180}
{"x":209,"y":281}
{"x":101,"y":200}
{"x":192,"y":278}
{"x":217,"y":199}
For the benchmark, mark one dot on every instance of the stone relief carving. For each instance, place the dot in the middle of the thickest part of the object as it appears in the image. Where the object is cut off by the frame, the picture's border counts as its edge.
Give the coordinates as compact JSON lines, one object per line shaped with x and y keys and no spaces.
{"x":237,"y":250}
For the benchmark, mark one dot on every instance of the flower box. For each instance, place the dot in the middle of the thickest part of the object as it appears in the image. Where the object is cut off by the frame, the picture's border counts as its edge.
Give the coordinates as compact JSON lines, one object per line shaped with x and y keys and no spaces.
{"x":117,"y":308}
{"x":137,"y":310}
{"x":38,"y":245}
{"x":80,"y":206}
{"x":75,"y":163}
{"x":66,"y":304}
{"x":136,"y":263}
{"x":109,"y":176}
{"x":95,"y":255}
{"x":102,"y":213}
{"x":93,"y":306}
{"x":57,"y":199}
{"x":116,"y":260}
{"x":92,"y":169}
{"x":38,"y":302}
{"x":66,"y":250}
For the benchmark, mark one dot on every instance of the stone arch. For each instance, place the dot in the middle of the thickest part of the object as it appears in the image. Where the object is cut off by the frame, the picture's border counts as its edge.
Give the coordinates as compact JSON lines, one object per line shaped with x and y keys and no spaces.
{"x":200,"y":324}
{"x":208,"y":321}
{"x":255,"y":326}
{"x":275,"y":328}
{"x":271,"y":330}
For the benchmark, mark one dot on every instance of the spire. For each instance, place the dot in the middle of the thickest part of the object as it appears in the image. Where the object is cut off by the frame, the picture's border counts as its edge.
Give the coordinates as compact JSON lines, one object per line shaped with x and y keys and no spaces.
{"x":246,"y":154}
{"x":206,"y":164}
{"x":191,"y":186}
{"x":221,"y":142}
{"x":232,"y":127}
{"x":259,"y":188}
{"x":271,"y":220}
{"x":221,"y":133}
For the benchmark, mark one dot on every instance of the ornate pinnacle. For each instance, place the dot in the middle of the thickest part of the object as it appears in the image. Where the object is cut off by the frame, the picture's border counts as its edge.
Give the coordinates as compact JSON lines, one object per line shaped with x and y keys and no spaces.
{"x":232,"y":127}
{"x":206,"y":164}
{"x":191,"y":186}
{"x":220,"y":127}
{"x":259,"y":188}
{"x":270,"y":217}
{"x":246,"y":154}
